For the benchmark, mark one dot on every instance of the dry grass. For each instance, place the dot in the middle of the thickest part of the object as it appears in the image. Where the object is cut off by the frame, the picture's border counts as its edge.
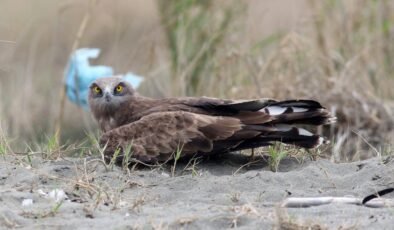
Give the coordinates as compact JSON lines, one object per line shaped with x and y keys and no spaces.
{"x":336,"y":52}
{"x":285,"y":222}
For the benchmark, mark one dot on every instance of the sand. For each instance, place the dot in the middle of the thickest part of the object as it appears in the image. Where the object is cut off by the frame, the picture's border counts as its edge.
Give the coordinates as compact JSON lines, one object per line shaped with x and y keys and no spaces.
{"x":215,"y":194}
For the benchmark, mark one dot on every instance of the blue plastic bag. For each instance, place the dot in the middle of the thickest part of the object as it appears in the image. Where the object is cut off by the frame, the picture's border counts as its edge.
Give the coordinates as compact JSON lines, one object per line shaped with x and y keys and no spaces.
{"x":80,"y":74}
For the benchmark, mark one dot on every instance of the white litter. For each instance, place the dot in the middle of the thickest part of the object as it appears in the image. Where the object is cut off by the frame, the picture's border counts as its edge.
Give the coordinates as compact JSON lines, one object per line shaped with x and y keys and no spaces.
{"x":42,"y":193}
{"x":165,"y":174}
{"x":57,"y":195}
{"x":27,"y":202}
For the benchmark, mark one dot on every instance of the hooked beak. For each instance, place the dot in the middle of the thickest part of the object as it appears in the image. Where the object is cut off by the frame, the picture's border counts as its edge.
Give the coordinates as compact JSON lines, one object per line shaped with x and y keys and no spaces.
{"x":107,"y":97}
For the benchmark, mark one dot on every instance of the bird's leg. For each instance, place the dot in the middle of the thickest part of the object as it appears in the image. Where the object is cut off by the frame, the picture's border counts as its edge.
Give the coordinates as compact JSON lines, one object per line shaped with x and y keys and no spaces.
{"x":252,"y":156}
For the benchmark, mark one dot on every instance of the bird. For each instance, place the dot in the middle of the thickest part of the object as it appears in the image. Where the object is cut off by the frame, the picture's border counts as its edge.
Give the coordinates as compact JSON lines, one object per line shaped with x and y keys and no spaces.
{"x":79,"y":74}
{"x":154,"y":130}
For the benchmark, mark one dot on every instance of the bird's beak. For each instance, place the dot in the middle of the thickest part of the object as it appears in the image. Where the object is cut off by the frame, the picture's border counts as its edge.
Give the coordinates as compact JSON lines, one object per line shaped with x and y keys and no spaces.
{"x":107,"y":97}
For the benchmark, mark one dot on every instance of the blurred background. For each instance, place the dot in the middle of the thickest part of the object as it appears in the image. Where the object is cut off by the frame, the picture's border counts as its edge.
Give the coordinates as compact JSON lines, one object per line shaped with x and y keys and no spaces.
{"x":338,"y":52}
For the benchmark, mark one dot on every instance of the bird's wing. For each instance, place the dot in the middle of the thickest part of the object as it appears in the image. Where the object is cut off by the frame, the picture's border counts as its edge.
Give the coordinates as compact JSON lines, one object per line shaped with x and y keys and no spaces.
{"x":158,"y":136}
{"x":244,"y":110}
{"x":270,"y":111}
{"x":260,"y":111}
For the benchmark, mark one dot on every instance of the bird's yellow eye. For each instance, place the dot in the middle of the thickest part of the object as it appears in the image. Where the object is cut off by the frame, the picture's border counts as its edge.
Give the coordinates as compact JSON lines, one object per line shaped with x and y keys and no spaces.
{"x":119,"y":89}
{"x":97,"y":90}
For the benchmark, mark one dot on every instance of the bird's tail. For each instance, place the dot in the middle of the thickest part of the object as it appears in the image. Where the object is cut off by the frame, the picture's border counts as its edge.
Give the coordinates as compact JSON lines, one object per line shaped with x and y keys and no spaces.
{"x":299,"y":112}
{"x":279,"y":112}
{"x":279,"y":122}
{"x":284,"y":133}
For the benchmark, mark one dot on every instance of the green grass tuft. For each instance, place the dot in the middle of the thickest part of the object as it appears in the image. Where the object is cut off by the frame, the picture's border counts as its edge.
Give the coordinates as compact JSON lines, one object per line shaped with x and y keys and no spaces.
{"x":276,"y":154}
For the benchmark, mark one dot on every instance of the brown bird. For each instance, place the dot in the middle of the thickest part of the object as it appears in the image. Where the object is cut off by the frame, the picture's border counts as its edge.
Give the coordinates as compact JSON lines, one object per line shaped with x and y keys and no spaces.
{"x":155,"y":129}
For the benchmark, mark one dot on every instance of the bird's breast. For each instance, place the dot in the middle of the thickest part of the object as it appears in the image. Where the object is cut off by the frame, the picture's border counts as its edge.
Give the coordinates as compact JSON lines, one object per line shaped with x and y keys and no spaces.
{"x":112,"y":122}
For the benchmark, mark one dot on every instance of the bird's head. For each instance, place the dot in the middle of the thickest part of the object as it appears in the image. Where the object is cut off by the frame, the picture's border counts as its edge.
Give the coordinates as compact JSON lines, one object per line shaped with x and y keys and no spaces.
{"x":106,"y":95}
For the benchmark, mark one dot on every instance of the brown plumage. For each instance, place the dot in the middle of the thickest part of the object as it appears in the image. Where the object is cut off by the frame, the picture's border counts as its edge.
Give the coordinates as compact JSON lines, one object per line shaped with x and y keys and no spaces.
{"x":156,"y":128}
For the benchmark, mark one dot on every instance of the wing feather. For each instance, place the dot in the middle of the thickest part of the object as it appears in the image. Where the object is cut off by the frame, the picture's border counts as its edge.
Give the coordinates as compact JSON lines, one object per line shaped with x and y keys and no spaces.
{"x":159,"y":135}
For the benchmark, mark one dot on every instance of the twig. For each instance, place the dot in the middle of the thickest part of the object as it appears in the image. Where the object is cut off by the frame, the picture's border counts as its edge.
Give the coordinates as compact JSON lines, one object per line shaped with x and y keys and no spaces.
{"x":303,"y":202}
{"x":81,"y":31}
{"x":244,"y":165}
{"x":371,"y":146}
{"x":8,"y":42}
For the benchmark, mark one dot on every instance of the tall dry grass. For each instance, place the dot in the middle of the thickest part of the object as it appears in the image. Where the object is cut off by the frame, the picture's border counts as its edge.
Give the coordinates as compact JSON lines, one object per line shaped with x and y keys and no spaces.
{"x":337,"y":52}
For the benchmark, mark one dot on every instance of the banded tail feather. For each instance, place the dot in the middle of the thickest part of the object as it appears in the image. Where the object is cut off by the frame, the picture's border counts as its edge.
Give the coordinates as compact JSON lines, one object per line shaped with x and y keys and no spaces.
{"x":276,"y":121}
{"x":284,"y":133}
{"x":299,"y":112}
{"x":288,"y":111}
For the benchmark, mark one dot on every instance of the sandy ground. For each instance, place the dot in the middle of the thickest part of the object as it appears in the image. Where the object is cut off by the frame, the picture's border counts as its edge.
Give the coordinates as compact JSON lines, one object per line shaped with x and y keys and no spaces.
{"x":217,"y":194}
